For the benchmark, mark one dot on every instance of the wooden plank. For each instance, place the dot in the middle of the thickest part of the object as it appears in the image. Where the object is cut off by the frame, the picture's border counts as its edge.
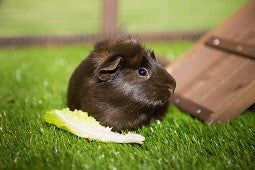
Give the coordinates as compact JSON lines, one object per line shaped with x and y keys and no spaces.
{"x":214,"y":79}
{"x":192,"y":65}
{"x":231,"y":110}
{"x":236,"y":47}
{"x":193,"y":108}
{"x":208,"y":80}
{"x":231,"y":86}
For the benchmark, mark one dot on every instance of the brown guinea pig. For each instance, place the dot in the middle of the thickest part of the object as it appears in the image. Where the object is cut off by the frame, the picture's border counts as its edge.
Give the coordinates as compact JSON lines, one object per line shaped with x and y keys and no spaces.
{"x":121,"y":84}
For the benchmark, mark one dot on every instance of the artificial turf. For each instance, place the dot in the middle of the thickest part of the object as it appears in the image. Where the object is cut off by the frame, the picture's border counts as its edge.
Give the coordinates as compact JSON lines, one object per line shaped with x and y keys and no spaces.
{"x":34,"y":80}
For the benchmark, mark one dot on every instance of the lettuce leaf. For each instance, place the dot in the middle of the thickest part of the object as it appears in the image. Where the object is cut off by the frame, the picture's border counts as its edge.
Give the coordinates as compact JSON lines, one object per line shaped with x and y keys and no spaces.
{"x":82,"y":125}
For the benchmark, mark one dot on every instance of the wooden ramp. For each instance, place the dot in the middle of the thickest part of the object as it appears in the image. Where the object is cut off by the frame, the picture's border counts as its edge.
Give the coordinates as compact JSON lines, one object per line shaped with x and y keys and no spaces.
{"x":216,"y":78}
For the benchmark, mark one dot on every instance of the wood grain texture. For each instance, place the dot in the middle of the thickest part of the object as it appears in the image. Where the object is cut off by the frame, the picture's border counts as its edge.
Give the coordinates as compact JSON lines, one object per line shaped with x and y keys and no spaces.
{"x":237,"y":47}
{"x":218,"y":81}
{"x":110,"y":17}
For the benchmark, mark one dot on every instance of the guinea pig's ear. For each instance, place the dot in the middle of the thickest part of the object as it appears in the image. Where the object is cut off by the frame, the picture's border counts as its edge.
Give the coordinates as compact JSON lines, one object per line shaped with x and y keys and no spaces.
{"x":108,"y":68}
{"x":153,"y":55}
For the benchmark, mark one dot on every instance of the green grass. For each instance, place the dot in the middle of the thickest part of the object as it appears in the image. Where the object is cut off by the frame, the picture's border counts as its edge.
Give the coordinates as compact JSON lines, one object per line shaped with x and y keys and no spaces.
{"x":35,"y":17}
{"x":34,"y":80}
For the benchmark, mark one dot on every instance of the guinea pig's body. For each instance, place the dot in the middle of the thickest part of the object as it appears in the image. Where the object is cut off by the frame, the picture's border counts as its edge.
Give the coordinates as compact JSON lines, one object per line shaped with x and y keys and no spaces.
{"x":121,"y":85}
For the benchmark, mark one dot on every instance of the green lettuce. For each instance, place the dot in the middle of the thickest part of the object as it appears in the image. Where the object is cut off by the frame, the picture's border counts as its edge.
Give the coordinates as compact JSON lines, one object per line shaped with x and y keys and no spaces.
{"x":82,"y":125}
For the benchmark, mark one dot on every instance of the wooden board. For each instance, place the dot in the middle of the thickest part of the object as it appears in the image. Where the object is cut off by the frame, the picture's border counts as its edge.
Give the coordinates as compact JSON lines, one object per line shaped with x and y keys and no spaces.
{"x":216,"y":78}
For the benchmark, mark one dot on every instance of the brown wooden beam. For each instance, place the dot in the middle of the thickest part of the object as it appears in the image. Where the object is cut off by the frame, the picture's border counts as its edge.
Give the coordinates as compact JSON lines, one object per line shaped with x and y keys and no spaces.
{"x":236,"y":47}
{"x":48,"y":40}
{"x":110,"y":17}
{"x":56,"y":40}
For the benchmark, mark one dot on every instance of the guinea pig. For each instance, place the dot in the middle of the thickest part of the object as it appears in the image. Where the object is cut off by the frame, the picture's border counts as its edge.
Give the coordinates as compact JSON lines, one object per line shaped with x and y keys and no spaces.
{"x":121,"y":84}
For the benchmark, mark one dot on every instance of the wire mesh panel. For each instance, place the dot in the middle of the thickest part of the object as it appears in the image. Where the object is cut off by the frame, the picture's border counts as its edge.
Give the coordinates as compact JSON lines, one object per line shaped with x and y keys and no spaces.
{"x":174,"y":15}
{"x":36,"y":17}
{"x":51,"y":22}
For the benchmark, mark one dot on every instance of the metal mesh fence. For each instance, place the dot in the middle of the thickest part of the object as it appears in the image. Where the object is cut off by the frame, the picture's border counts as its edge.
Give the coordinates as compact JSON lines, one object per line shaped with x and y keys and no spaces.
{"x":174,"y":15}
{"x":36,"y":17}
{"x":97,"y":17}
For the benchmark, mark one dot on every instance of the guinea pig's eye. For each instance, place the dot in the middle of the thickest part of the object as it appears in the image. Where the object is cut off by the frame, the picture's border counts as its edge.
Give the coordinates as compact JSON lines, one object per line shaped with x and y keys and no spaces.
{"x":142,"y":72}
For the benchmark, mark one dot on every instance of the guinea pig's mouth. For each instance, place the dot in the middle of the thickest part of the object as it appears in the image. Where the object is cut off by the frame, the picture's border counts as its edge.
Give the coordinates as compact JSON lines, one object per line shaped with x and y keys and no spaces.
{"x":166,"y":98}
{"x":164,"y":101}
{"x":171,"y":93}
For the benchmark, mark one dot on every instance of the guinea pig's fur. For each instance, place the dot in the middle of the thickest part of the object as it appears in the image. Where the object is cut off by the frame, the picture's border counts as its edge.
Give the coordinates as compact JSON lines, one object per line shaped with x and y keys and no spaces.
{"x":108,"y":86}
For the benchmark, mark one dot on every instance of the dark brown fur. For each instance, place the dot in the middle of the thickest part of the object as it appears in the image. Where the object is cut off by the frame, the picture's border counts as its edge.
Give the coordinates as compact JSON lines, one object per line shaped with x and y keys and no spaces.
{"x":107,"y":86}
